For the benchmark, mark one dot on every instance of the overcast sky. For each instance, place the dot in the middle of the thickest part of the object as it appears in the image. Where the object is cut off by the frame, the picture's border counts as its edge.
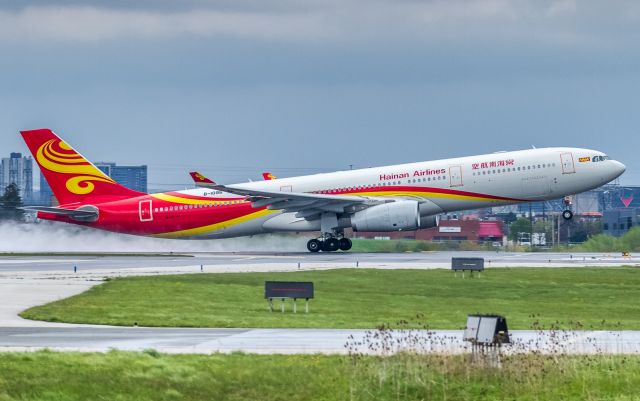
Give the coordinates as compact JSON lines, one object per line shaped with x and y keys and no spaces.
{"x":234,"y":88}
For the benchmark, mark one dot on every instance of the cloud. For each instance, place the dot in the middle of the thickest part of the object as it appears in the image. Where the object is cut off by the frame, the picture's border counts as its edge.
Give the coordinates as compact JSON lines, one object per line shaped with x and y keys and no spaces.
{"x":374,"y":22}
{"x":92,"y":24}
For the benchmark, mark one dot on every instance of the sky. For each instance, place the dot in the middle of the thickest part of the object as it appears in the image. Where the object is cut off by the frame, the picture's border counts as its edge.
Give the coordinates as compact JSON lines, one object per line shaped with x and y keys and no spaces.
{"x":234,"y":88}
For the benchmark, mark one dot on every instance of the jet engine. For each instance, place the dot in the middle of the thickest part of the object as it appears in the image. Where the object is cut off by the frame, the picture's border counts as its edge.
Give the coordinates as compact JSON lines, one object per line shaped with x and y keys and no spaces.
{"x":393,"y":216}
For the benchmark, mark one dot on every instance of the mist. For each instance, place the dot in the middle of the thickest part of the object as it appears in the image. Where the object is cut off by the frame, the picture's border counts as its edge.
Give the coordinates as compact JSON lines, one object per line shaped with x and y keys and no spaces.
{"x":62,"y":237}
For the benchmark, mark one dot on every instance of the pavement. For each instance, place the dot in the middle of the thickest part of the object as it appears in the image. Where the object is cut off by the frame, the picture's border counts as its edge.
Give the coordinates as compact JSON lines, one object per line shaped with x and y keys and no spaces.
{"x":266,"y":261}
{"x":34,"y":280}
{"x":305,"y":341}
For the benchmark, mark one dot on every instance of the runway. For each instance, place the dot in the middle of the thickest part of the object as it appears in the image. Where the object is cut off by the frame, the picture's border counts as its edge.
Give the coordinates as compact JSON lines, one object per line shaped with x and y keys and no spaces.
{"x":305,"y":341}
{"x":225,"y":260}
{"x":27,"y":281}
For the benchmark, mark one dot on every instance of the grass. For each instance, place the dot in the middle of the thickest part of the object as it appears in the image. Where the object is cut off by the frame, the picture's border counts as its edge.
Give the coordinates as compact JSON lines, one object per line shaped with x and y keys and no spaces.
{"x":149,"y":375}
{"x":629,"y":242}
{"x":410,"y":245}
{"x":590,"y":298}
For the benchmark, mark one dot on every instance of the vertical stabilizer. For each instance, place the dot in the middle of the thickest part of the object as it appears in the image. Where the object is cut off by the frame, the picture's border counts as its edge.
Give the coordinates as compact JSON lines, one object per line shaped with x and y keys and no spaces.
{"x":72,"y":178}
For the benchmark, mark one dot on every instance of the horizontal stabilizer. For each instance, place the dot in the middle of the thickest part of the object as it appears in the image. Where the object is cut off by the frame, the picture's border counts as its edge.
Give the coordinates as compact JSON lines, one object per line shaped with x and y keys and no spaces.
{"x":85,"y":213}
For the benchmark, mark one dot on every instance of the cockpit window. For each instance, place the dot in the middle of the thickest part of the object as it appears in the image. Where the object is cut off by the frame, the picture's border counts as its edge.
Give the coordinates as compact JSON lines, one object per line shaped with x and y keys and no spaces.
{"x":596,"y":159}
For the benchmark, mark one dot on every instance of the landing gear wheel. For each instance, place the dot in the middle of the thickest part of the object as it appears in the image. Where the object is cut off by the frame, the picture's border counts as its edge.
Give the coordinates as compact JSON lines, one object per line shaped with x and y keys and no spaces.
{"x":314,"y":245}
{"x":567,"y":214}
{"x":345,"y":244}
{"x":331,"y":245}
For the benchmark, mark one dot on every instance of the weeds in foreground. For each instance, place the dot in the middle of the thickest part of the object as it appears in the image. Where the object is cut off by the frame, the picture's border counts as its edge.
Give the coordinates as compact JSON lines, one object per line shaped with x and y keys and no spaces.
{"x":395,"y":362}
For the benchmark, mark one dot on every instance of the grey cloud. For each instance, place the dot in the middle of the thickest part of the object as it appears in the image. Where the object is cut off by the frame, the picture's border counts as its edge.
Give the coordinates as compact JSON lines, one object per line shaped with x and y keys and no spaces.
{"x":558,"y":22}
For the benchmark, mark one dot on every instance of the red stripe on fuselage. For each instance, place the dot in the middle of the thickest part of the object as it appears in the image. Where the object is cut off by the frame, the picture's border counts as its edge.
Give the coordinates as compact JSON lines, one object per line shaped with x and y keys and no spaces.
{"x":425,"y":190}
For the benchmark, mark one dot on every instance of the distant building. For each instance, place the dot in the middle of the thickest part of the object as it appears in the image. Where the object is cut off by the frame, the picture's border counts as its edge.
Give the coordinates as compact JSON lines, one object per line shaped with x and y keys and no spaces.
{"x":132,"y":177}
{"x":46,"y":194}
{"x":617,"y":222}
{"x":591,"y":203}
{"x":450,"y":230}
{"x":618,"y":196}
{"x":18,"y":170}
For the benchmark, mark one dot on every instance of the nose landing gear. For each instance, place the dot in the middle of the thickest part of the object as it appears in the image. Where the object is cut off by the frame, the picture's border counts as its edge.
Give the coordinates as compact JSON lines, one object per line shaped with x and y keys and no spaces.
{"x":567,"y":214}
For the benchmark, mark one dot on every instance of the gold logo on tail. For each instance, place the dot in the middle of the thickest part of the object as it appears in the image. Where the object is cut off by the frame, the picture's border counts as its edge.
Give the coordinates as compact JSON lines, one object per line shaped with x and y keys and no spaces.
{"x":55,"y":155}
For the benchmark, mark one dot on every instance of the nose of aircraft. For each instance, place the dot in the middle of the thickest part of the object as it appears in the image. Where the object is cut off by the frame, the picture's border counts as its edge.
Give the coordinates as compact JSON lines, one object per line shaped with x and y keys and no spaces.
{"x":618,"y":168}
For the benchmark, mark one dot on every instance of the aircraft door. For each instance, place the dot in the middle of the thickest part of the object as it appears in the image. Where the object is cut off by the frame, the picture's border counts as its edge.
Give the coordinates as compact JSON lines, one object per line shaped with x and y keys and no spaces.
{"x":455,"y":176}
{"x":567,"y":163}
{"x":145,"y":210}
{"x":286,"y":188}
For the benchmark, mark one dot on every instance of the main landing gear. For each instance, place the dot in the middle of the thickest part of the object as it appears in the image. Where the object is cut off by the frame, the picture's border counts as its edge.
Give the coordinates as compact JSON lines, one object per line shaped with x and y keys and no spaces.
{"x":329,"y":244}
{"x":332,"y":236}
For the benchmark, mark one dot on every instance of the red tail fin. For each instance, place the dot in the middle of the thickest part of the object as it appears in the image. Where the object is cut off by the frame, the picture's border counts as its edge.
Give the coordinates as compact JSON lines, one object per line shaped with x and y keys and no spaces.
{"x":200,"y":179}
{"x":72,"y":178}
{"x":268,"y":176}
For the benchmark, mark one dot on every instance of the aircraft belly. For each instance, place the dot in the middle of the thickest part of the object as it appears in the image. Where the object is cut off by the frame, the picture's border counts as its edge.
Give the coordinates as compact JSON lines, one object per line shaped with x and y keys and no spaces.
{"x":449,"y":205}
{"x":535,"y":186}
{"x":289,"y":222}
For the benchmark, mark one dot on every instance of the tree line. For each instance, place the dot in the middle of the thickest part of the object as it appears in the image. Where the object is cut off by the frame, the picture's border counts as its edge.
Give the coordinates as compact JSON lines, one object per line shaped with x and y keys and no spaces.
{"x":10,"y":203}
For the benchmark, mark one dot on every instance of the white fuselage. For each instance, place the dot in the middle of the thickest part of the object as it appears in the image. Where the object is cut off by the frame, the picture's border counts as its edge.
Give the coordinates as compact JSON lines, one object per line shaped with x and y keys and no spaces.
{"x":446,"y":185}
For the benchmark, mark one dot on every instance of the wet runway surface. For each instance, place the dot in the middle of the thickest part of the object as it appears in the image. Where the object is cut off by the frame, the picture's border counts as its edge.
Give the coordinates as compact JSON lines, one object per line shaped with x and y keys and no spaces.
{"x":405,"y":260}
{"x":305,"y":341}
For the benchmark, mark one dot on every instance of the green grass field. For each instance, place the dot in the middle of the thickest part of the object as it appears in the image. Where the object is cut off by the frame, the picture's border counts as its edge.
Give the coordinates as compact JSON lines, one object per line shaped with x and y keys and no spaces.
{"x":409,"y":245}
{"x":53,"y":376}
{"x":589,"y":298}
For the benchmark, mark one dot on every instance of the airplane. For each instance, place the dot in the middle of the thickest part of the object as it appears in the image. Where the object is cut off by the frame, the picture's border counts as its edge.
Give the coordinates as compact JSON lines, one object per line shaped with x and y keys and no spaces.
{"x":390,"y":198}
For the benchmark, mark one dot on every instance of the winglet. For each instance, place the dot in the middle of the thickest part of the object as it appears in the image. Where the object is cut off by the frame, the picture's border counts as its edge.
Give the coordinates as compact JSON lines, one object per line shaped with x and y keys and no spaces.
{"x":268,"y":176}
{"x":201,"y":180}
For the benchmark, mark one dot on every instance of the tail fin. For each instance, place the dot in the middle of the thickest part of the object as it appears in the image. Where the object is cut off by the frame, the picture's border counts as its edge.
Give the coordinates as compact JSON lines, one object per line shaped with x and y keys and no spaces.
{"x":72,"y":178}
{"x":268,"y":176}
{"x":201,"y":181}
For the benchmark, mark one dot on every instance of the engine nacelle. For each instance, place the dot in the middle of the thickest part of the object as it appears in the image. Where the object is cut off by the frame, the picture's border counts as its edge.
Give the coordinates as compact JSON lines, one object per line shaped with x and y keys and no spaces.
{"x":429,"y":221}
{"x":393,"y":216}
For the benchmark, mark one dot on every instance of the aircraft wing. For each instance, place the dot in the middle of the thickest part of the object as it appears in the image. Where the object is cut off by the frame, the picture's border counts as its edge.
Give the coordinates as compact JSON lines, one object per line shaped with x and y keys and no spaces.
{"x":305,"y":204}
